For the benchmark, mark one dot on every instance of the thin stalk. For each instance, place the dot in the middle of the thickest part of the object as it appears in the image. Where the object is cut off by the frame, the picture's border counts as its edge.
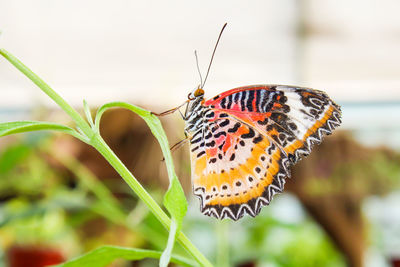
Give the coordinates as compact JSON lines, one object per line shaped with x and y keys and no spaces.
{"x":222,"y":229}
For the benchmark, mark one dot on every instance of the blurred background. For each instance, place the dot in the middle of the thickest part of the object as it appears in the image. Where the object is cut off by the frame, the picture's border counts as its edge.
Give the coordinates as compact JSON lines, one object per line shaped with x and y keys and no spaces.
{"x":59,"y":198}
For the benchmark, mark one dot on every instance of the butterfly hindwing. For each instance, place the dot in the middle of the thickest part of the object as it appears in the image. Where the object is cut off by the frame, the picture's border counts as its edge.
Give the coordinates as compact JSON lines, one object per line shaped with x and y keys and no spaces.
{"x":235,"y":169}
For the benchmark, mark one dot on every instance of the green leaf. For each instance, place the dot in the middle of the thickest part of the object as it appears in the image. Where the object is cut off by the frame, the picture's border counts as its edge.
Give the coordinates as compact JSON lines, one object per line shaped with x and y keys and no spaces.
{"x":175,"y":202}
{"x":88,"y":113}
{"x":174,"y":199}
{"x":8,"y":128}
{"x":104,"y":255}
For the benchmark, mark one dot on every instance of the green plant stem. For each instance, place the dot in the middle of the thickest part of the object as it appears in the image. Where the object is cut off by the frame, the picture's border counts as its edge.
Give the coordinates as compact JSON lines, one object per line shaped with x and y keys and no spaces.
{"x":109,"y":155}
{"x":97,"y":142}
{"x":80,"y":122}
{"x":222,"y":229}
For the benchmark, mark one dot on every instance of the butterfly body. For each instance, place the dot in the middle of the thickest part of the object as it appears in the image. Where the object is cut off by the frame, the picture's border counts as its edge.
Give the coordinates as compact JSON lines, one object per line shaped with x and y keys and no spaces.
{"x":244,"y":140}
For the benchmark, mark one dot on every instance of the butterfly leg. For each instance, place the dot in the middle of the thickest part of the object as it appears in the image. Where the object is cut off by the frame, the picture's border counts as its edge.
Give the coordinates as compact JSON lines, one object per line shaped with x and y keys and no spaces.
{"x":170,"y":111}
{"x":179,"y":144}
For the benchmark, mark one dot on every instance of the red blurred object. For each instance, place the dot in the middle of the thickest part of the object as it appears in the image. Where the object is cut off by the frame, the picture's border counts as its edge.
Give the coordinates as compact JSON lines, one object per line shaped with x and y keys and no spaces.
{"x":33,"y":256}
{"x":395,"y":262}
{"x":247,"y":264}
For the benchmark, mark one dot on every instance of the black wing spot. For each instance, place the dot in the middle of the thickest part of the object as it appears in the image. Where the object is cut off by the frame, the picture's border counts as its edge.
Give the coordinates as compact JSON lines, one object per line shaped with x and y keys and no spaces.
{"x":196,"y":140}
{"x":242,"y":104}
{"x":249,"y":103}
{"x":232,"y":158}
{"x":234,"y":128}
{"x":224,"y":123}
{"x":210,"y":115}
{"x":264,"y":122}
{"x":282,"y":136}
{"x":285,"y":108}
{"x":258,"y":99}
{"x":211,"y":144}
{"x":258,"y":139}
{"x":223,"y":102}
{"x":219,"y":134}
{"x":221,"y":146}
{"x":250,"y":134}
{"x":292,"y":126}
{"x":270,"y":148}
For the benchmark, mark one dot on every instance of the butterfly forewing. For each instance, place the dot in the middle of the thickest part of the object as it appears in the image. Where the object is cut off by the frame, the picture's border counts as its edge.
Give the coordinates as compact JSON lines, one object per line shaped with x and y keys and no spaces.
{"x":248,"y":138}
{"x":294,"y":117}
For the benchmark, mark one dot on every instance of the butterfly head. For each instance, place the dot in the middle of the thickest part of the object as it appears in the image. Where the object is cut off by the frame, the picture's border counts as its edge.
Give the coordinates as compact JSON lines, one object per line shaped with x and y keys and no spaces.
{"x":196,"y":94}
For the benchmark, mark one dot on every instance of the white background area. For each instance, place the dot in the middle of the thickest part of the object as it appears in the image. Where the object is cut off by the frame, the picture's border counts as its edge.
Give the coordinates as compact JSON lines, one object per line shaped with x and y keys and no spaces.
{"x":142,"y":51}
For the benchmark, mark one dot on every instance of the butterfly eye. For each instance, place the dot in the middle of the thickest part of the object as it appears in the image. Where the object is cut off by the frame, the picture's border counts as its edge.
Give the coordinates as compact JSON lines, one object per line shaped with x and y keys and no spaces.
{"x":199,"y":92}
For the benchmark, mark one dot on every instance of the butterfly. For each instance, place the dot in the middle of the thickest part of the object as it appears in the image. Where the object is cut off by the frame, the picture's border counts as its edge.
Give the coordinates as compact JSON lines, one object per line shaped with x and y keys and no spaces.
{"x":243,"y":141}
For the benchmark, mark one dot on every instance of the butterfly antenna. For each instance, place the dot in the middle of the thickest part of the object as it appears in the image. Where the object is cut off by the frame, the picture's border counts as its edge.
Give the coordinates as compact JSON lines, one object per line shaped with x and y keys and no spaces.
{"x":198,"y":68}
{"x":212,"y":57}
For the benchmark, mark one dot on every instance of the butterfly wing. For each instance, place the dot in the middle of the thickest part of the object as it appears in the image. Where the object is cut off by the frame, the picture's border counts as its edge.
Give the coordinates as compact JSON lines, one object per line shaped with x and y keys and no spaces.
{"x":251,"y":135}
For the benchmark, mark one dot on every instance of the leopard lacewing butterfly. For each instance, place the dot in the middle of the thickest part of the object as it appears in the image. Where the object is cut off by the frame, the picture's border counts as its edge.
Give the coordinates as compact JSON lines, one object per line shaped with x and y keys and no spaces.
{"x":243,"y":142}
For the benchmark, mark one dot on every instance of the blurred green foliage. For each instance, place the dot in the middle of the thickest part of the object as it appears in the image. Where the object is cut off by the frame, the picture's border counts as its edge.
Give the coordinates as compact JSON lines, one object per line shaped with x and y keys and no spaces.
{"x":51,"y":199}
